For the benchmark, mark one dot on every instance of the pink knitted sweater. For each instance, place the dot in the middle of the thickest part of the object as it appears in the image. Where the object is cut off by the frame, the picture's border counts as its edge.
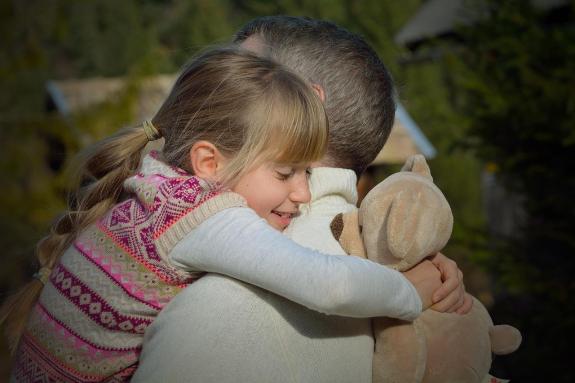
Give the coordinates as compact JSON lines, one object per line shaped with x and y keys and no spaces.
{"x":108,"y":287}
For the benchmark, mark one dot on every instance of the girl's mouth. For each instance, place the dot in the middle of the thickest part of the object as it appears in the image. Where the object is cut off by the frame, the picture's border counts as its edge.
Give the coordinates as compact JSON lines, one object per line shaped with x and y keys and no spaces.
{"x":284,"y":218}
{"x":284,"y":214}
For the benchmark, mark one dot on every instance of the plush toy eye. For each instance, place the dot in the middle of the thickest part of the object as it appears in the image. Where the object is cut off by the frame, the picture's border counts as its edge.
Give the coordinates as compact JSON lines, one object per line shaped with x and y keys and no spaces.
{"x":360,"y":228}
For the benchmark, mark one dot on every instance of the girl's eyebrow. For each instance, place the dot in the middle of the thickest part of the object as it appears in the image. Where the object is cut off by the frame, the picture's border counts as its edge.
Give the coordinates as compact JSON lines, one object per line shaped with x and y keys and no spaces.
{"x":278,"y":165}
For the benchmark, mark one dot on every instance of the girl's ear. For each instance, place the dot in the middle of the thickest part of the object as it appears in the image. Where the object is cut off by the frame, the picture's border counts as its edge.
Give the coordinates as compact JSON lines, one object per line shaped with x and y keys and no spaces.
{"x":206,"y":160}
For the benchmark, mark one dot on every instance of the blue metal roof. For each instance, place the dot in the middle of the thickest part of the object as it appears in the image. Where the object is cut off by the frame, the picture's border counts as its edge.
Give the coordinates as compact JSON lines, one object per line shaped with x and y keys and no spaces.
{"x":58,"y":98}
{"x":416,"y":134}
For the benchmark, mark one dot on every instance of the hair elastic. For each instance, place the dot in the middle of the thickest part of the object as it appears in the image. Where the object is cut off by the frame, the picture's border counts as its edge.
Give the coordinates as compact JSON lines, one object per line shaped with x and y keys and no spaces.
{"x":43,"y":275}
{"x":151,"y":132}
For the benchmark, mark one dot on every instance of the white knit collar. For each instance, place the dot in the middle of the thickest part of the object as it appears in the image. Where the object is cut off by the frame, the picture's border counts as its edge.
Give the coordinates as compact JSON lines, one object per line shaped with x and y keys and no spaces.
{"x":153,"y":163}
{"x":333,"y":182}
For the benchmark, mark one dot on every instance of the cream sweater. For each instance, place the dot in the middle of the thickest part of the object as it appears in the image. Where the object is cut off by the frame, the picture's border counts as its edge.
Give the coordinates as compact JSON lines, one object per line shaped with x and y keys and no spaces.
{"x":222,"y":330}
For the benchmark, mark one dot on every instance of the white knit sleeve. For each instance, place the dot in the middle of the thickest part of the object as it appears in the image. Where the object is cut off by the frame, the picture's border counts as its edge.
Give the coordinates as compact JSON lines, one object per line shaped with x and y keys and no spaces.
{"x":237,"y":243}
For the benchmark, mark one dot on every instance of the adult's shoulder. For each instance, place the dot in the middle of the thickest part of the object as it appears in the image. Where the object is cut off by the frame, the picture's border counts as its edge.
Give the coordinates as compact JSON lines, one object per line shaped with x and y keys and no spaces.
{"x":198,"y":333}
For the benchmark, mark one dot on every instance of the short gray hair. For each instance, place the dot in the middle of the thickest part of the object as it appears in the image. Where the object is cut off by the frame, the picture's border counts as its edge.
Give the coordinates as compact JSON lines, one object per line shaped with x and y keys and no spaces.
{"x":358,"y":87}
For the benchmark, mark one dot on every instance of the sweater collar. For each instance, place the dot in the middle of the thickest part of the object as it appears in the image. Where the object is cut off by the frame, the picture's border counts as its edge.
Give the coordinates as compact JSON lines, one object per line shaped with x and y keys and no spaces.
{"x":154,"y":174}
{"x":336,"y":182}
{"x":153,"y":164}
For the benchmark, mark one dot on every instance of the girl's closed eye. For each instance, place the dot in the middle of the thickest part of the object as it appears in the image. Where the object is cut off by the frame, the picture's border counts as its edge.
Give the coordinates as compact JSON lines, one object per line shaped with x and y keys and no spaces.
{"x":284,"y":173}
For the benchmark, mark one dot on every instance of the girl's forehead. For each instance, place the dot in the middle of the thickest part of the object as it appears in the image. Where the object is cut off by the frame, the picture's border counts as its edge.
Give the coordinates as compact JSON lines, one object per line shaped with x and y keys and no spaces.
{"x":291,"y":165}
{"x":279,"y":163}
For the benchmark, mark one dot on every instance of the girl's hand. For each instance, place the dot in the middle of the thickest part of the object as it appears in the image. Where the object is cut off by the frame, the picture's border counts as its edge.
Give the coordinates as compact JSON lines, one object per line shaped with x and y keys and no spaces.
{"x":451,"y":296}
{"x":426,"y":278}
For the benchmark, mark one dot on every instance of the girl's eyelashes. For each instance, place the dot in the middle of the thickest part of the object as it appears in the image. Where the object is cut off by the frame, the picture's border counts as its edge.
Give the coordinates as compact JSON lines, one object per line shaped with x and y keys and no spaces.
{"x":283,"y":175}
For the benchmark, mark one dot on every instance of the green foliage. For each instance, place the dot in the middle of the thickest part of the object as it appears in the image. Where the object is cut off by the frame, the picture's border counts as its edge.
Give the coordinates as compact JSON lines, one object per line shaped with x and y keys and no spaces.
{"x":516,"y":76}
{"x":31,"y":194}
{"x":188,"y":26}
{"x":104,"y":37}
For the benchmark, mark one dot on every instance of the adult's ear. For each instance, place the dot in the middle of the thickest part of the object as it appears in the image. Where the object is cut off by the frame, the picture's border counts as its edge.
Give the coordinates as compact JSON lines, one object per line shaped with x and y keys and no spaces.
{"x":206,"y":160}
{"x":319,"y":91}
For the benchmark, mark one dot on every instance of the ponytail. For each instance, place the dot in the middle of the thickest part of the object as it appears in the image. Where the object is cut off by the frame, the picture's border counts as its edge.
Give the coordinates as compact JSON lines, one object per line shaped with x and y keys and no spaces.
{"x":100,"y":173}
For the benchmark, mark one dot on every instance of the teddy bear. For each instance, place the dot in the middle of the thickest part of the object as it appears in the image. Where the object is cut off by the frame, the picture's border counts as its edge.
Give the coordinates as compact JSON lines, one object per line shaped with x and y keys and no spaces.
{"x":401,"y":221}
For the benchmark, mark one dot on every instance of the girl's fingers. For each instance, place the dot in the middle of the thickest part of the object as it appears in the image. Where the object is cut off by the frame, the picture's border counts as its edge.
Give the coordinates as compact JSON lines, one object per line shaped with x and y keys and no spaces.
{"x":466,"y":306}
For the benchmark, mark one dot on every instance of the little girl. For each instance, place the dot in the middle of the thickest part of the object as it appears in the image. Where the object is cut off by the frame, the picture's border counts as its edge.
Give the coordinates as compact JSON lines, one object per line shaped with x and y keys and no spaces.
{"x":240,"y":132}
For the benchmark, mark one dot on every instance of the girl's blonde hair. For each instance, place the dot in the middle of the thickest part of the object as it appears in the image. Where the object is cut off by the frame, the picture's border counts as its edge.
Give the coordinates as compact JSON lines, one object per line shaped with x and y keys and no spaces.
{"x":250,"y":108}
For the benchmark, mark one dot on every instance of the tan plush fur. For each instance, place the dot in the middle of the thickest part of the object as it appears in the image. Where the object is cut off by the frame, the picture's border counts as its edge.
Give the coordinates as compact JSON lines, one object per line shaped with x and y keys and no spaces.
{"x":401,"y":221}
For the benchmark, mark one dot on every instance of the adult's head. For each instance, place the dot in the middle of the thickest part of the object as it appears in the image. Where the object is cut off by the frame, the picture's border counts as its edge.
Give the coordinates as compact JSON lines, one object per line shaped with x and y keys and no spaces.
{"x":357,"y":87}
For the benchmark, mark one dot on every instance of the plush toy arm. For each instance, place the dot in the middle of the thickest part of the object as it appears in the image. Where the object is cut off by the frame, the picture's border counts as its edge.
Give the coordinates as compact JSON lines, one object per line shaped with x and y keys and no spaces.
{"x":346,"y":230}
{"x":400,"y":351}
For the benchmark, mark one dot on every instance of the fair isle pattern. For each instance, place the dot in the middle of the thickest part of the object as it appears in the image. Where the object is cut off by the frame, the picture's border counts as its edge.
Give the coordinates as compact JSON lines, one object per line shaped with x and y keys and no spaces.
{"x":94,"y":305}
{"x":129,"y":227}
{"x":111,"y":283}
{"x":47,"y":349}
{"x":139,"y":279}
{"x":33,"y":365}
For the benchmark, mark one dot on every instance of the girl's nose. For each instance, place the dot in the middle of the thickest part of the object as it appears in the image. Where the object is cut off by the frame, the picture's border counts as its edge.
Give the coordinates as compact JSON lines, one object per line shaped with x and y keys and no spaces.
{"x":300,"y":192}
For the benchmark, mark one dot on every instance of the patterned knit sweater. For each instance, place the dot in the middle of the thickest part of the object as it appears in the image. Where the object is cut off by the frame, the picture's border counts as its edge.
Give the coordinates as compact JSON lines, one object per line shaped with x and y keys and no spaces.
{"x":89,"y":322}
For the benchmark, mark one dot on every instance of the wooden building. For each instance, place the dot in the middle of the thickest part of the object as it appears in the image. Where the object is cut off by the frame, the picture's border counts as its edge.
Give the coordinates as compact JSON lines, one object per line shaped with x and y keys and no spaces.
{"x":74,"y":96}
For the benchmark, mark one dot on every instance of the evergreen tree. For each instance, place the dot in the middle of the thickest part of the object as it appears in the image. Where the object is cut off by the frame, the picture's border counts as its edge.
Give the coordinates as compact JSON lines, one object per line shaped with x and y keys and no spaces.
{"x":516,"y":74}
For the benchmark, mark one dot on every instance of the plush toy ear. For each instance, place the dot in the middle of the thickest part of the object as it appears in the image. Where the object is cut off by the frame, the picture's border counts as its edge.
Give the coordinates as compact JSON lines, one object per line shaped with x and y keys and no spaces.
{"x":417,"y":164}
{"x":346,"y":230}
{"x":504,"y":339}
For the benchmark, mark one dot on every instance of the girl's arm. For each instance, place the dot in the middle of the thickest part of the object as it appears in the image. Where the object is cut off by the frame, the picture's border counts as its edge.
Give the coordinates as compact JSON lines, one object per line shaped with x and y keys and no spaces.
{"x":237,"y":243}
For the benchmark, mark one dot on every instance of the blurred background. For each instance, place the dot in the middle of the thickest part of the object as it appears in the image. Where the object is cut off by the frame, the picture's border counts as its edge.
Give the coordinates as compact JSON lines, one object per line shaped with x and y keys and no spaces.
{"x":487,"y":93}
